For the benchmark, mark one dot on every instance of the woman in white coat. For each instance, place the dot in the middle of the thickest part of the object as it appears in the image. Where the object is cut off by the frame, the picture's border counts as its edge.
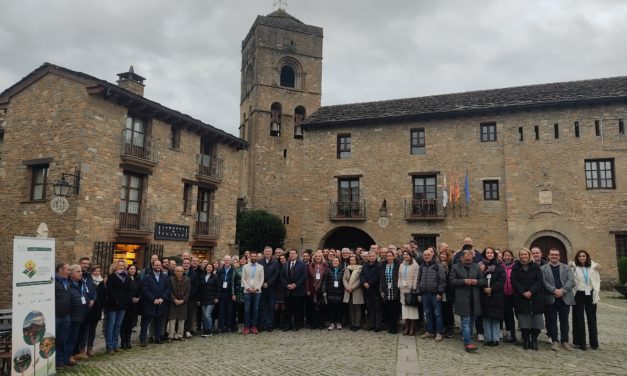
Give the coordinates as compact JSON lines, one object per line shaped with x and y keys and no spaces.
{"x":407,"y":280}
{"x":587,"y":286}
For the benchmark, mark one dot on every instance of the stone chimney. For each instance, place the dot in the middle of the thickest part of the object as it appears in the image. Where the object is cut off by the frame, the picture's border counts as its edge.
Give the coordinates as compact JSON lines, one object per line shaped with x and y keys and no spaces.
{"x":132,"y":82}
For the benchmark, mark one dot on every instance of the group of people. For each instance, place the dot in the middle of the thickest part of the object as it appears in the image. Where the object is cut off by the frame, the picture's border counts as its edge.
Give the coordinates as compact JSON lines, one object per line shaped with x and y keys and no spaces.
{"x":361,"y":289}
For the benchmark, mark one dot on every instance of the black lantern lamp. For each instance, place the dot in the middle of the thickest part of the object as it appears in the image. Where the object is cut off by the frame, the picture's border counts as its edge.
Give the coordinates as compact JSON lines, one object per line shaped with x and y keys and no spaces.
{"x":383,"y":210}
{"x":65,"y":188}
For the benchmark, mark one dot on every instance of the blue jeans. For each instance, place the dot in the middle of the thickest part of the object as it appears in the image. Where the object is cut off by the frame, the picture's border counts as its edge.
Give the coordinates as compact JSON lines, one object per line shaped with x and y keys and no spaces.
{"x":432,"y":308}
{"x":266,"y":309}
{"x":62,"y":326}
{"x":251,"y":303}
{"x":466,"y":324}
{"x":112,"y":333}
{"x":70,"y":340}
{"x":207,"y":320}
{"x":157,"y":327}
{"x":492,"y":329}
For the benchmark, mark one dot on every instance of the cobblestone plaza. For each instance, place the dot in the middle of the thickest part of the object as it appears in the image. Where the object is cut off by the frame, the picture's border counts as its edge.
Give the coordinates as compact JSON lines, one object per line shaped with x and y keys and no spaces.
{"x":319,"y":352}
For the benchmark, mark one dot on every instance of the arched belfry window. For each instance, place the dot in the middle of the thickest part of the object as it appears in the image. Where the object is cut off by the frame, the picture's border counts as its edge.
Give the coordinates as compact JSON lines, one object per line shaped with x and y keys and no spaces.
{"x":299,"y":117}
{"x":275,"y":119}
{"x":288,"y":76}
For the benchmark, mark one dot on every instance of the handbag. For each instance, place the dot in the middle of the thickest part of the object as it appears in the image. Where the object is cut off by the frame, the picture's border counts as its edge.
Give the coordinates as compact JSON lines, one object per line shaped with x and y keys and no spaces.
{"x":411,"y":299}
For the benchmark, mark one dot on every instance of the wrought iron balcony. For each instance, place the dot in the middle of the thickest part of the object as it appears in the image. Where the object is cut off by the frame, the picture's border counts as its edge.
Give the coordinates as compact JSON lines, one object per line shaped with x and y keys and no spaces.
{"x":207,"y":227}
{"x":210,"y":169}
{"x":347,"y":210}
{"x":423,"y":210}
{"x":134,"y":220}
{"x":139,"y":149}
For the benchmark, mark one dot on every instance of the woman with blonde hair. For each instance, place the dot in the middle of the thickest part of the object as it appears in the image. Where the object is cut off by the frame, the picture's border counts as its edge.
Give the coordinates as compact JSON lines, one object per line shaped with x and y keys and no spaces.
{"x":118,"y":297}
{"x":407,"y":281}
{"x":528,"y":285}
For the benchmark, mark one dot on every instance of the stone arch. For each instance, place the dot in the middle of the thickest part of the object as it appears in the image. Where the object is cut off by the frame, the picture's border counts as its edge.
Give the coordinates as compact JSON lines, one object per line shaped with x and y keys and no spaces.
{"x":551,"y":237}
{"x":289,"y":72}
{"x":346,"y":236}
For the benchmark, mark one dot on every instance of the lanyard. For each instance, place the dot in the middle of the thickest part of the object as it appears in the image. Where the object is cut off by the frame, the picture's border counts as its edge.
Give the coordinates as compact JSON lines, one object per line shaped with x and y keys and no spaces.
{"x":585,"y":272}
{"x":335,"y":272}
{"x":253,"y":268}
{"x":389,"y":271}
{"x":81,"y":288}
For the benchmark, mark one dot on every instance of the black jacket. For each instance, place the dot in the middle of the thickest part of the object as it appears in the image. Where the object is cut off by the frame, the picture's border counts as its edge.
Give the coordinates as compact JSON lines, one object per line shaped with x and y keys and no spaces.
{"x":530,"y":280}
{"x":208,"y":290}
{"x":383,"y":285}
{"x":63,"y":297}
{"x":118,"y":293}
{"x":95,"y":314}
{"x":492,"y":306}
{"x":297,"y":276}
{"x":334,"y":294}
{"x":270,"y":272}
{"x":194,"y":283}
{"x":370,"y":274}
{"x":78,"y":308}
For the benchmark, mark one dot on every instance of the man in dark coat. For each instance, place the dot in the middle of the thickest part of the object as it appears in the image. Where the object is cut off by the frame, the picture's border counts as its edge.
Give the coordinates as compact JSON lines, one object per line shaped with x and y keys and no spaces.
{"x":91,"y":296}
{"x":78,"y":312}
{"x":155,"y":295}
{"x":431,"y":287}
{"x":62,"y":305}
{"x":467,"y":279}
{"x":227,"y":295}
{"x":293,"y":278}
{"x":192,"y":303}
{"x":270,"y":279}
{"x":369,"y":279}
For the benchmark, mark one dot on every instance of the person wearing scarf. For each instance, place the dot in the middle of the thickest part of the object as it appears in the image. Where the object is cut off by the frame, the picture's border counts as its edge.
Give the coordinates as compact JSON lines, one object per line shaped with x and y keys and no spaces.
{"x":315,"y":306}
{"x":388,"y":288}
{"x":492,"y":297}
{"x":353,"y":294}
{"x":528,"y":298}
{"x":118,"y":287}
{"x":408,"y":282}
{"x":179,"y":296}
{"x":508,"y":291}
{"x":96,"y":313}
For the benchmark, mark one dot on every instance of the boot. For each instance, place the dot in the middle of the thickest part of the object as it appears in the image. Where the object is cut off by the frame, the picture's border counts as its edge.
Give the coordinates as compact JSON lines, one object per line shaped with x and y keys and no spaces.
{"x":526,"y":339}
{"x":407,"y":327}
{"x":90,"y":351}
{"x":412,"y":331}
{"x":128,"y":343}
{"x":512,"y":337}
{"x":534,"y":338}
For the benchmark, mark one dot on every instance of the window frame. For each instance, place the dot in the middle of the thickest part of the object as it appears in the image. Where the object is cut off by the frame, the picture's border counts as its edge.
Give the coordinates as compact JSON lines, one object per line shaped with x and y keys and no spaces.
{"x":485,"y":132}
{"x":422,"y":239}
{"x":43,"y":183}
{"x":489,"y":191}
{"x":344,"y":149}
{"x":424,"y":186}
{"x":621,"y":245}
{"x":175,"y":137}
{"x":353,"y":191}
{"x":188,"y":190}
{"x":598,"y":179}
{"x":293,"y":77}
{"x":415,"y":142}
{"x":125,"y":192}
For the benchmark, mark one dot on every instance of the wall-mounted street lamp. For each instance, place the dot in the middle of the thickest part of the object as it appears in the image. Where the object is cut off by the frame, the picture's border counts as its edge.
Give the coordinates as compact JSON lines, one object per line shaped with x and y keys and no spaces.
{"x":383,"y":210}
{"x":65,"y":188}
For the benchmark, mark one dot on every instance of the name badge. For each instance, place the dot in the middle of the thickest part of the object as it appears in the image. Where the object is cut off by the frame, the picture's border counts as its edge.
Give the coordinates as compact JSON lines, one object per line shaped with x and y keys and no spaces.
{"x":317,"y":275}
{"x":389,"y":285}
{"x":83,"y":300}
{"x":224,"y":284}
{"x":404,"y":283}
{"x":588,"y":292}
{"x":336,"y":284}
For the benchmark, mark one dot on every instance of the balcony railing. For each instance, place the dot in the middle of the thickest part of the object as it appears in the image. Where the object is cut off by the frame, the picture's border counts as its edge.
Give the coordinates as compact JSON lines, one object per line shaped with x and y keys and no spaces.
{"x":347,"y":210}
{"x":133,"y":218}
{"x":207,"y":225}
{"x":139,"y":147}
{"x":210,"y":167}
{"x":423,"y":210}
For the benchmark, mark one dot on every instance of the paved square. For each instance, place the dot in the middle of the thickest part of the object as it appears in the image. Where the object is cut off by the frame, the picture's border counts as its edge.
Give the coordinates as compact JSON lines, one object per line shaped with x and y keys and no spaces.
{"x":319,"y":352}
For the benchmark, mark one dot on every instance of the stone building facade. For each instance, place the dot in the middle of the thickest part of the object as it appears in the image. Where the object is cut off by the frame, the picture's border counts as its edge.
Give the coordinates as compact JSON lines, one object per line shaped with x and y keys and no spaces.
{"x":152,"y":180}
{"x":546,"y":164}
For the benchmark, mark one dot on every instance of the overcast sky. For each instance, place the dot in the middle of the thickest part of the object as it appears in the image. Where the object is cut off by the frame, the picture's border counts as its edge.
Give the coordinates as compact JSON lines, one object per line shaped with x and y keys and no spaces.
{"x":189,"y":50}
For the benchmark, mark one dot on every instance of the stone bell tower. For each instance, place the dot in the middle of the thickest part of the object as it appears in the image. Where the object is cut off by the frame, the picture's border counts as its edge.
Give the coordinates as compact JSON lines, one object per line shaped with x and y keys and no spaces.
{"x":280,"y":86}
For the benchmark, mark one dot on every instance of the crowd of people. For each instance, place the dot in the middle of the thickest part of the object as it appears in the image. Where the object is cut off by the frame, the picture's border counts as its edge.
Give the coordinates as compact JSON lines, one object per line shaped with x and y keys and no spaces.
{"x":495,"y":293}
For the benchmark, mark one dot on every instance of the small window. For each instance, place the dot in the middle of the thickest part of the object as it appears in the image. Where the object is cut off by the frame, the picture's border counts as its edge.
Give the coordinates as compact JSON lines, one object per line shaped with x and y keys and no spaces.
{"x":175,"y":137}
{"x":488,"y":132}
{"x":621,"y":127}
{"x":424,"y":187}
{"x":491,"y":190}
{"x":556,"y":130}
{"x":417,"y":145}
{"x":288,"y":76}
{"x":536,"y":130}
{"x":597,"y":128}
{"x":39,"y":179}
{"x":299,"y":116}
{"x":343,"y":146}
{"x":621,"y":245}
{"x":576,"y":129}
{"x":275,"y":119}
{"x":520,"y":134}
{"x":600,"y":174}
{"x":187,"y":198}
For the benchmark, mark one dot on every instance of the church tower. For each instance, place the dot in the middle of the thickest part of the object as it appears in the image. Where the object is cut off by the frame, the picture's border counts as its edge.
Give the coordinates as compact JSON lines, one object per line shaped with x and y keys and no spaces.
{"x":281,"y":85}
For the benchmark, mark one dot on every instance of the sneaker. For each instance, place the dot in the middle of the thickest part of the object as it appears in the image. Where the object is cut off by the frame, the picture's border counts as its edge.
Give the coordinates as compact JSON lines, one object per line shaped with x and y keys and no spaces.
{"x":555,"y":346}
{"x":331,"y":327}
{"x":206,"y":335}
{"x":338,"y":326}
{"x":188,"y":335}
{"x":438,"y":337}
{"x":254,"y":330}
{"x":480,"y":337}
{"x":427,"y":335}
{"x":245,"y":331}
{"x":566,"y":346}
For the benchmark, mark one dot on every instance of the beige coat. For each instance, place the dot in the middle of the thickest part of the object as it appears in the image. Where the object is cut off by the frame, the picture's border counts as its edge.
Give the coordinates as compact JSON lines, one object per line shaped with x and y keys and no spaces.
{"x":353,"y":283}
{"x":248,"y":277}
{"x":407,"y":279}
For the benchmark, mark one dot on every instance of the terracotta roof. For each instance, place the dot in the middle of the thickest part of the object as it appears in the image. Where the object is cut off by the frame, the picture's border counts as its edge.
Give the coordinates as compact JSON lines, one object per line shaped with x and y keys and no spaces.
{"x":114,"y":92}
{"x":483,"y":101}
